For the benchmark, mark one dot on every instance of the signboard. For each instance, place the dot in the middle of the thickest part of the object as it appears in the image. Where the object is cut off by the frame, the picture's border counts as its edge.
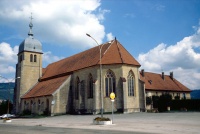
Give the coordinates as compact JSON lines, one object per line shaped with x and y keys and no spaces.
{"x":112,"y":96}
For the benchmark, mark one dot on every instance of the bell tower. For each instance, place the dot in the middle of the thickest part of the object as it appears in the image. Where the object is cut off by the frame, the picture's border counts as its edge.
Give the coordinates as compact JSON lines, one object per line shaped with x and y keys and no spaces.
{"x":29,"y":66}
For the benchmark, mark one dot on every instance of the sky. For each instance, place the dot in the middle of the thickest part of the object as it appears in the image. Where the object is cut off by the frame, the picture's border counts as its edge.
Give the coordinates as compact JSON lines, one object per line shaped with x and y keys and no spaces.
{"x":162,"y":35}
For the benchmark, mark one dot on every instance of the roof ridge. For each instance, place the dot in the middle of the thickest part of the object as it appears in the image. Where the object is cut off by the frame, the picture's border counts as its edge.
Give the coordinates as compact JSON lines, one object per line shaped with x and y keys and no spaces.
{"x":108,"y":47}
{"x":110,"y":43}
{"x":119,"y":50}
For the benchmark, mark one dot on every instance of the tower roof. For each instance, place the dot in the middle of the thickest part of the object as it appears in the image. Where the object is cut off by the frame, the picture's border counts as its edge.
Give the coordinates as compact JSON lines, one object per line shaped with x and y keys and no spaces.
{"x":30,"y":43}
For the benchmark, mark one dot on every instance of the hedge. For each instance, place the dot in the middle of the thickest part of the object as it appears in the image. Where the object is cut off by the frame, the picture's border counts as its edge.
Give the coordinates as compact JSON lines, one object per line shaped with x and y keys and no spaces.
{"x":186,"y":105}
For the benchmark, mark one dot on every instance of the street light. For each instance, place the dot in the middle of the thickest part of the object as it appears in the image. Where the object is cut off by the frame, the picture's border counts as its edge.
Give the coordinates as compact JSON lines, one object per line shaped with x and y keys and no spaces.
{"x":100,"y":66}
{"x":8,"y":89}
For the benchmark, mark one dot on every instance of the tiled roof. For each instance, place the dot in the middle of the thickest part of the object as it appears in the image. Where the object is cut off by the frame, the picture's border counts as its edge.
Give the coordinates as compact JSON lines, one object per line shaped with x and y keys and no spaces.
{"x":45,"y":88}
{"x":112,"y":53}
{"x":155,"y":82}
{"x":56,"y":73}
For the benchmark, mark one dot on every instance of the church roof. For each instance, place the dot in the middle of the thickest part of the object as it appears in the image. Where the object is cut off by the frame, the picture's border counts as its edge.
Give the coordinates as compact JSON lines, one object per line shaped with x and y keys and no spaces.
{"x":45,"y":88}
{"x":155,"y":82}
{"x":112,"y":53}
{"x":56,"y":73}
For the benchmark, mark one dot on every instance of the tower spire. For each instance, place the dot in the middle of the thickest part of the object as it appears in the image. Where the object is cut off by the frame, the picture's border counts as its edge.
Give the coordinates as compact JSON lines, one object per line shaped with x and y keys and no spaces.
{"x":30,"y":33}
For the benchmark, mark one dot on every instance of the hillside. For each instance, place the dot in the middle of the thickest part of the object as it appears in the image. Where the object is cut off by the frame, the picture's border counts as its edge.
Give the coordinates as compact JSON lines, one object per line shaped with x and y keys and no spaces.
{"x":195,"y":94}
{"x":4,"y":92}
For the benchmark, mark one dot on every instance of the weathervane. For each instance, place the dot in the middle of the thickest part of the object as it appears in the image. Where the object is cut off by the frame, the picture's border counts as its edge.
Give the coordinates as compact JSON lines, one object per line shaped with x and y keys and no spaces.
{"x":30,"y":25}
{"x":31,"y":17}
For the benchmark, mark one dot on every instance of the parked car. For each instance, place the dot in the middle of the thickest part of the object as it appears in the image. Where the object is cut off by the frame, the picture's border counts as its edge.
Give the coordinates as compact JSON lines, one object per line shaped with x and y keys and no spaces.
{"x":7,"y":116}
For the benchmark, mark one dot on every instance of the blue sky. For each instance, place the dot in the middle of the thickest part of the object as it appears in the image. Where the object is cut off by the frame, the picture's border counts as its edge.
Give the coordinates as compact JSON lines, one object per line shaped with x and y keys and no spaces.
{"x":163,"y":35}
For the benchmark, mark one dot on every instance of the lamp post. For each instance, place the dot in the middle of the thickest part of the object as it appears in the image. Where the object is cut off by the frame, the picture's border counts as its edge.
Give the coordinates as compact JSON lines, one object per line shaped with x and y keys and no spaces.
{"x":8,"y":89}
{"x":100,"y":66}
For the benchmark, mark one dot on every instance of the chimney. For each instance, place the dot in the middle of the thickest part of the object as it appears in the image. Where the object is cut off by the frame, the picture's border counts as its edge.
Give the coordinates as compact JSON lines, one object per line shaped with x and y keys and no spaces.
{"x":172,"y":75}
{"x":163,"y":75}
{"x":142,"y":72}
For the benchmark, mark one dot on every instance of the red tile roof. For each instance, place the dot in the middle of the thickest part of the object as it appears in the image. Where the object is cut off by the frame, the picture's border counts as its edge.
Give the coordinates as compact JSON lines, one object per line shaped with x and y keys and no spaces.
{"x":112,"y":53}
{"x":56,"y":73}
{"x":155,"y":82}
{"x":45,"y":88}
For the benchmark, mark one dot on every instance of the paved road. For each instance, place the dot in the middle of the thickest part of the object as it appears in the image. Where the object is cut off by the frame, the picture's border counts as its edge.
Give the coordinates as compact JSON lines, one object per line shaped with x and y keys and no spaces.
{"x":136,"y":123}
{"x":13,"y":129}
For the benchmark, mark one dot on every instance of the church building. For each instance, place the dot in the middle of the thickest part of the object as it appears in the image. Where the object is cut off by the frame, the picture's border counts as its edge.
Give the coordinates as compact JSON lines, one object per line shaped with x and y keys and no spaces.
{"x":82,"y":83}
{"x":74,"y":84}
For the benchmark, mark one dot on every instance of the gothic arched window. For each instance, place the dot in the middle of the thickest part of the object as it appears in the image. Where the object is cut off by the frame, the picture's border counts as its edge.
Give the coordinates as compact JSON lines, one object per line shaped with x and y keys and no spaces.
{"x":31,"y":58}
{"x":131,"y":84}
{"x":77,"y":88}
{"x":25,"y":105}
{"x":110,"y":83}
{"x":90,"y":86}
{"x":39,"y":104}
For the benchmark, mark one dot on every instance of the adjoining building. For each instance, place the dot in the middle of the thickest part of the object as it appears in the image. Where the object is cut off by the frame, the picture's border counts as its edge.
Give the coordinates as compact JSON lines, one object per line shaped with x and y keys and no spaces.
{"x":160,"y":84}
{"x":72,"y":85}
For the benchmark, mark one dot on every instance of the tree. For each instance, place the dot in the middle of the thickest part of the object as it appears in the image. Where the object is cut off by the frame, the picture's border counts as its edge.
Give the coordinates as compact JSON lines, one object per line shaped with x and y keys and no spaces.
{"x":4,"y":107}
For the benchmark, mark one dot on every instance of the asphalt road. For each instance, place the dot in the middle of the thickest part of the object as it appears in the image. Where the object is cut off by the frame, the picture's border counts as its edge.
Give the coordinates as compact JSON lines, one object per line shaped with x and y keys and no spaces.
{"x":13,"y":129}
{"x":135,"y":123}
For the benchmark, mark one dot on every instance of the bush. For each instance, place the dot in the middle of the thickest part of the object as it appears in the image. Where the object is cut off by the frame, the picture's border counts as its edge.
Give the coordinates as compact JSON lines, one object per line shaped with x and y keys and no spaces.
{"x":102,"y":119}
{"x":189,"y":105}
{"x":148,"y":100}
{"x":26,"y":112}
{"x":155,"y":101}
{"x":164,"y":102}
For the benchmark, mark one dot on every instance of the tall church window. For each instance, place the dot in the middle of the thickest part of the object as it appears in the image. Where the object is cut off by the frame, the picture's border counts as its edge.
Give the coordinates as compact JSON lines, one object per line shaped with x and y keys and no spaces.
{"x":35,"y":58}
{"x":31,"y":58}
{"x":39,"y":105}
{"x":131,"y":84}
{"x":77,"y":88}
{"x":25,"y":105}
{"x":90,"y":86}
{"x":47,"y":106}
{"x":110,"y":83}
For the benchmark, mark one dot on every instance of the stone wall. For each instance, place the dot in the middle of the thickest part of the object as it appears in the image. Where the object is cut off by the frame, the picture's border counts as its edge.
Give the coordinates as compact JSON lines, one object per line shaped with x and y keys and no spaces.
{"x":29,"y":73}
{"x":122,"y":101}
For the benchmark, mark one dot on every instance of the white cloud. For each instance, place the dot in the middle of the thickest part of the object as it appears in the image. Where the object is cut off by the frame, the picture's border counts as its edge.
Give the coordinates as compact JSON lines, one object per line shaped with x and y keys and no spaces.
{"x":48,"y":58}
{"x":180,"y":58}
{"x":8,"y":58}
{"x":57,"y":22}
{"x":109,"y":37}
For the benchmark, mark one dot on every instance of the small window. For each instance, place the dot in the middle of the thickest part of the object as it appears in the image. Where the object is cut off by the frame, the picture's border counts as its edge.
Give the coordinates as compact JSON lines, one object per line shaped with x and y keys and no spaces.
{"x":35,"y":58}
{"x":31,"y":58}
{"x":21,"y":58}
{"x":184,"y":96}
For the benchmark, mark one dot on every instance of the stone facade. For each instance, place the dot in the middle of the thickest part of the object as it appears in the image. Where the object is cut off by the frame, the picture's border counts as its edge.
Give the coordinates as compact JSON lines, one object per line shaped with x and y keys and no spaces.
{"x":64,"y":101}
{"x":29,"y":73}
